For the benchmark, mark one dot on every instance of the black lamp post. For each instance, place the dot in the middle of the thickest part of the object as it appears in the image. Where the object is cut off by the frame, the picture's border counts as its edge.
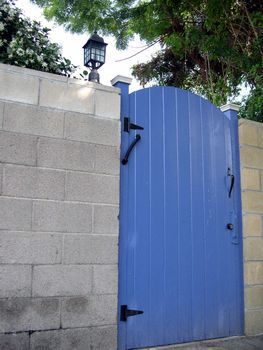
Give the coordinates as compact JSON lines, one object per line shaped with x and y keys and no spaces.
{"x":94,"y":55}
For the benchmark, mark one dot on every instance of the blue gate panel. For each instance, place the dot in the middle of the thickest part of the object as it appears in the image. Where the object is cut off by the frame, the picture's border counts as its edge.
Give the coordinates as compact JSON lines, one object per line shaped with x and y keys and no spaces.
{"x":179,"y":263}
{"x":197,"y":210}
{"x":210,"y":236}
{"x":171,"y":284}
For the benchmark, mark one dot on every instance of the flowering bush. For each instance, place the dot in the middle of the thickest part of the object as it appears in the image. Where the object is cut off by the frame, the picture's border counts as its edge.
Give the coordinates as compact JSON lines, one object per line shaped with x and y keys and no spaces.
{"x":25,"y":43}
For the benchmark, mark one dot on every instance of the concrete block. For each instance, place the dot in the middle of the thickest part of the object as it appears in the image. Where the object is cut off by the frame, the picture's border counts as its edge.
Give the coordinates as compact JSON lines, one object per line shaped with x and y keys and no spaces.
{"x":1,"y":114}
{"x":105,"y":279}
{"x":99,"y":338}
{"x":254,"y":297}
{"x":30,"y":248}
{"x":62,"y":217}
{"x":19,"y":341}
{"x":33,"y":120}
{"x":64,"y":154}
{"x":29,"y":314}
{"x":252,"y":225}
{"x":106,"y":219}
{"x":17,"y":148}
{"x":15,"y":214}
{"x":260,"y":135}
{"x":70,"y":97}
{"x":253,"y":273}
{"x":254,"y":322}
{"x":19,"y":87}
{"x":104,"y":337}
{"x":248,"y":134}
{"x":107,"y":160}
{"x":31,"y":182}
{"x":107,"y":104}
{"x":89,"y":311}
{"x":251,"y":157}
{"x":46,"y":340}
{"x":261,"y":179}
{"x":15,"y":281}
{"x":92,"y":188}
{"x":77,"y":339}
{"x":1,"y":177}
{"x":250,"y":179}
{"x":90,"y":249}
{"x":253,"y":249}
{"x":82,"y":127}
{"x":252,"y":201}
{"x":61,"y":280}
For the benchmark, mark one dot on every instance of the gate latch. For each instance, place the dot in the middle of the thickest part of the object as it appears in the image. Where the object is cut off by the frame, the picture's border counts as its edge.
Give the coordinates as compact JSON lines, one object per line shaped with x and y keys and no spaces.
{"x":125,"y":312}
{"x":232,"y":181}
{"x":230,"y":226}
{"x":127,"y":125}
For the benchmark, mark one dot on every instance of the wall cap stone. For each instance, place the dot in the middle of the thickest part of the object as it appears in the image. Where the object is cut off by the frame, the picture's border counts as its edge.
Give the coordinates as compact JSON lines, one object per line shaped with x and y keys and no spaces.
{"x":121,"y":79}
{"x":95,"y":86}
{"x":28,"y":71}
{"x":248,"y":121}
{"x":228,"y":106}
{"x":56,"y":77}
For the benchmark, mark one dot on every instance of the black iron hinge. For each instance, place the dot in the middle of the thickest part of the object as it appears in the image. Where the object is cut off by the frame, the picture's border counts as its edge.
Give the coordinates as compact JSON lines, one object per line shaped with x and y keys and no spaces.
{"x":125,"y":312}
{"x":127,"y":125}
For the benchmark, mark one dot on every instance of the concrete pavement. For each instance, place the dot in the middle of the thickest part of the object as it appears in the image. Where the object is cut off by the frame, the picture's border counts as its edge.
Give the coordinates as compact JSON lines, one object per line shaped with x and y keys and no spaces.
{"x":232,"y":343}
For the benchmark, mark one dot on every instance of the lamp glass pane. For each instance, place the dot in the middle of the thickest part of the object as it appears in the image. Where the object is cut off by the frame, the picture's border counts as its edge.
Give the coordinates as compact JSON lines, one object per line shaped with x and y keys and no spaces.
{"x":86,"y":54}
{"x":99,"y":55}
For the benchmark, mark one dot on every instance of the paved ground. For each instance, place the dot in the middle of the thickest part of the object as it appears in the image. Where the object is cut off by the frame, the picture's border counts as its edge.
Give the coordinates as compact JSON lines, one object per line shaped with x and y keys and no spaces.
{"x":233,"y":343}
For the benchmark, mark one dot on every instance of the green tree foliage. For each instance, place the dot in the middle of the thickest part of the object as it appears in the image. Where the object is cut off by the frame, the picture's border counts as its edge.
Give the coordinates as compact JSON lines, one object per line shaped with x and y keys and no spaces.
{"x":26,"y":44}
{"x":211,"y":47}
{"x":252,"y":108}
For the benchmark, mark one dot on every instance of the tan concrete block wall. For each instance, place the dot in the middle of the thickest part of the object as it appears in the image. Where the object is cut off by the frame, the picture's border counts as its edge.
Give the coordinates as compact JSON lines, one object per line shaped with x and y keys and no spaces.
{"x":251,"y":155}
{"x":59,"y":206}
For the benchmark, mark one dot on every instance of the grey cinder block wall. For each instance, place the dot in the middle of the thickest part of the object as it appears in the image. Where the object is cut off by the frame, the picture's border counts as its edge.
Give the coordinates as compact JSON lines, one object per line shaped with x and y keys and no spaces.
{"x":59,"y":204}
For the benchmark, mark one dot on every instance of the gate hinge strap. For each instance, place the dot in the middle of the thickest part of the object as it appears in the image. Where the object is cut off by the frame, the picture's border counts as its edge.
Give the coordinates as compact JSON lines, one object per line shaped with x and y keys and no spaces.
{"x":125,"y":312}
{"x":127,"y":126}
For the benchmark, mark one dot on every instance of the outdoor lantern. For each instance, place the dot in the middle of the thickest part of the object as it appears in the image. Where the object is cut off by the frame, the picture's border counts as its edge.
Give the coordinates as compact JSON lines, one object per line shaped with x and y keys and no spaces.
{"x":94,"y":55}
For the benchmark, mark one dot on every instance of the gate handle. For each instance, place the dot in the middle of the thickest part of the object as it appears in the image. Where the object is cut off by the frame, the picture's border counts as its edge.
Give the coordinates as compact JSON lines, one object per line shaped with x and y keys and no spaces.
{"x":126,"y":157}
{"x":232,"y":182}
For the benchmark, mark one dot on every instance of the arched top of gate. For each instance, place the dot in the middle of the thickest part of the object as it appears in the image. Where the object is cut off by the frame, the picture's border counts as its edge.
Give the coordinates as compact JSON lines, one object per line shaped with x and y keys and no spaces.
{"x":166,"y":92}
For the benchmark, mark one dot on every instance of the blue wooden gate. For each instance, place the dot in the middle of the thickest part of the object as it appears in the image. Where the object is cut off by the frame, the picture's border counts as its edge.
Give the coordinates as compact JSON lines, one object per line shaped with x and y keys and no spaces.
{"x":180,"y":238}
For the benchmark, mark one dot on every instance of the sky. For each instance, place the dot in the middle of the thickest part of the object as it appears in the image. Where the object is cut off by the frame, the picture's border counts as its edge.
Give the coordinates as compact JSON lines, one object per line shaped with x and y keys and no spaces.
{"x":72,"y":47}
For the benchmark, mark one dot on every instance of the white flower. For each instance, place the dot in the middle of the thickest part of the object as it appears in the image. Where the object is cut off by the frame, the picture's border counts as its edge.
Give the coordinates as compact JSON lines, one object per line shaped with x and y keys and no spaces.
{"x":1,"y":42}
{"x":29,"y":51}
{"x":11,"y":12}
{"x":20,"y":52}
{"x":39,"y":59}
{"x":2,"y":27}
